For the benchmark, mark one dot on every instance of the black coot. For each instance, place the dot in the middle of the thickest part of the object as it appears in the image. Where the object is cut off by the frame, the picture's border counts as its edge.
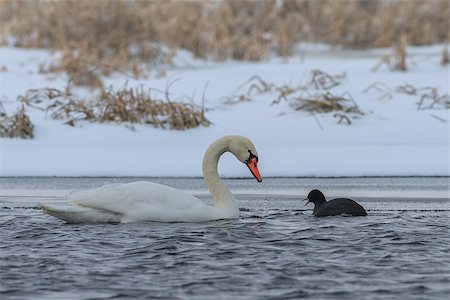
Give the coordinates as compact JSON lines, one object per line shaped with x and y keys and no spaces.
{"x":324,"y":208}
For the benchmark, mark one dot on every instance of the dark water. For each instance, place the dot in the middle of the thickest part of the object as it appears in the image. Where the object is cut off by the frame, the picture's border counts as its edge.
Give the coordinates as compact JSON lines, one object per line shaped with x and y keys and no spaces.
{"x":276,"y":250}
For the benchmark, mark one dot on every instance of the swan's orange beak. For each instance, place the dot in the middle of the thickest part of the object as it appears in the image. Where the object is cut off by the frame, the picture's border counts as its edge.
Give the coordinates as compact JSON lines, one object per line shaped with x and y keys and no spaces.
{"x":252,"y":164}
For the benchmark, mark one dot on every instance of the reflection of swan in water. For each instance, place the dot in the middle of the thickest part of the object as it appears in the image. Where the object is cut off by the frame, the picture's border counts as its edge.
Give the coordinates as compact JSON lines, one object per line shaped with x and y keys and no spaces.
{"x":148,"y":201}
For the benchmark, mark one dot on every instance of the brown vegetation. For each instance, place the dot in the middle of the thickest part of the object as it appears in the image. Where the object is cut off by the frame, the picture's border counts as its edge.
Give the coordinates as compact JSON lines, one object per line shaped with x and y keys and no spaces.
{"x":326,"y":102}
{"x":397,"y":59}
{"x":17,"y":125}
{"x":313,"y":97}
{"x":445,"y":60}
{"x":127,"y":105}
{"x":121,"y":35}
{"x":429,"y":97}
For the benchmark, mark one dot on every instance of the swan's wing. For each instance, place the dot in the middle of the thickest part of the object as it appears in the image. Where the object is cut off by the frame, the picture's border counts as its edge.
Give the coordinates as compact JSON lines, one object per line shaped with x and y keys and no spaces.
{"x":73,"y":213}
{"x":143,"y":201}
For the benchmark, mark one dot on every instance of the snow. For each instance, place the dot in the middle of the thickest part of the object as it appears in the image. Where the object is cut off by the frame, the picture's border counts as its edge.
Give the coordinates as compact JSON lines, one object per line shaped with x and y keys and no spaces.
{"x":393,"y":138}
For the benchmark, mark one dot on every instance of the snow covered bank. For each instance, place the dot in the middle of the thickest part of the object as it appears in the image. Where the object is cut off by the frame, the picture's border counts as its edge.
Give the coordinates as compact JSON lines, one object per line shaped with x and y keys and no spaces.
{"x":393,"y":137}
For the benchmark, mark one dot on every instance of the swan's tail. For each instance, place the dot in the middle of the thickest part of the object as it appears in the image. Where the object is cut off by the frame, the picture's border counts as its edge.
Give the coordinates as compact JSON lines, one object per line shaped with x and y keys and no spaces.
{"x":72,"y":213}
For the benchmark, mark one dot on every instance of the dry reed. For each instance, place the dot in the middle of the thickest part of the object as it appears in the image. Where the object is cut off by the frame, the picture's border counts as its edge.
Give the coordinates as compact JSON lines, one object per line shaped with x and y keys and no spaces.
{"x":384,"y":91}
{"x":16,"y":126}
{"x":313,"y":97}
{"x":81,"y":71}
{"x":445,"y":60}
{"x":344,"y":105}
{"x":136,"y":106}
{"x":429,"y":97}
{"x":324,"y":81}
{"x":127,"y":105}
{"x":401,"y":54}
{"x":397,"y":59}
{"x":122,"y":35}
{"x":433,"y":100}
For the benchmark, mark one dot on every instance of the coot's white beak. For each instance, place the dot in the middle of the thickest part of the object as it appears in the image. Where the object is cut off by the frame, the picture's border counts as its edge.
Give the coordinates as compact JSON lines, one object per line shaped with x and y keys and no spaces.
{"x":306,"y":201}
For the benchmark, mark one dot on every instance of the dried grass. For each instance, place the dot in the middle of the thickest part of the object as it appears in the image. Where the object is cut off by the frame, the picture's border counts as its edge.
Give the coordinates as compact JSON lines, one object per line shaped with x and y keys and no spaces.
{"x":58,"y":104}
{"x":433,"y":100}
{"x":400,"y":54}
{"x":127,"y":105}
{"x":80,"y":71}
{"x":445,"y":60}
{"x":313,"y":97}
{"x":121,"y":35}
{"x":16,"y":126}
{"x":324,"y":81}
{"x":384,"y":91}
{"x":325,"y":103}
{"x":429,"y":97}
{"x":343,"y":105}
{"x":397,"y":59}
{"x":136,"y":106}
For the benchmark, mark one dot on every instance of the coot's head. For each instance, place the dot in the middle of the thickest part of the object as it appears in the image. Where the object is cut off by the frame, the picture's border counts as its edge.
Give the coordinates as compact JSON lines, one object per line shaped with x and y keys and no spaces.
{"x":316,"y":197}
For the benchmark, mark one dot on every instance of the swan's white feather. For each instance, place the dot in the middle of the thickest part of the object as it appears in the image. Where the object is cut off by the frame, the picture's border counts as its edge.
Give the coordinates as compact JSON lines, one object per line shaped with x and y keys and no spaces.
{"x":148,"y":201}
{"x":136,"y":201}
{"x":73,"y":213}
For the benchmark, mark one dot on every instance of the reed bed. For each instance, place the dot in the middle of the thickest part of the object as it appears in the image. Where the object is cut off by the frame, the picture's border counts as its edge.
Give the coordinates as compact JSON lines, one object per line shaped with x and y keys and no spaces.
{"x":16,"y":126}
{"x":122,"y":35}
{"x":127,"y":105}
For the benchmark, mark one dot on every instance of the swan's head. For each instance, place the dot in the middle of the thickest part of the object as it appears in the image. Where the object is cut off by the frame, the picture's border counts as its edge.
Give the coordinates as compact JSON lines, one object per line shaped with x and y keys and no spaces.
{"x":245,"y":151}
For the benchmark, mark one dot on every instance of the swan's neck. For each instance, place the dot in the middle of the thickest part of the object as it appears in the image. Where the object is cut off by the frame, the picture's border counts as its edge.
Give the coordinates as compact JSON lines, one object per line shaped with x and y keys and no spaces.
{"x":221,"y":195}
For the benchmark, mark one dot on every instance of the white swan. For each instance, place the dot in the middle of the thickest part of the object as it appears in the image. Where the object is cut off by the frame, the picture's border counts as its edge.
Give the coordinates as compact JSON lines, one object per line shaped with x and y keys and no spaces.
{"x":148,"y":201}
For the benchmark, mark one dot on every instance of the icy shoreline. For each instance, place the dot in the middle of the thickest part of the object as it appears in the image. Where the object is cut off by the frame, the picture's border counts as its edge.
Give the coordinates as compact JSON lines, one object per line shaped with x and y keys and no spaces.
{"x":393,"y":138}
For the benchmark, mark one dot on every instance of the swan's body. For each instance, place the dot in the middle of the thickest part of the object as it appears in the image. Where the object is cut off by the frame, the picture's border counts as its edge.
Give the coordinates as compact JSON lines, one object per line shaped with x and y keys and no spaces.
{"x":148,"y":201}
{"x":136,"y":201}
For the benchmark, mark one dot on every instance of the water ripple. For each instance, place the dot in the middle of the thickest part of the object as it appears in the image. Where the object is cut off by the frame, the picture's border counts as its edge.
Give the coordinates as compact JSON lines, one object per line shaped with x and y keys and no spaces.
{"x":267,"y":254}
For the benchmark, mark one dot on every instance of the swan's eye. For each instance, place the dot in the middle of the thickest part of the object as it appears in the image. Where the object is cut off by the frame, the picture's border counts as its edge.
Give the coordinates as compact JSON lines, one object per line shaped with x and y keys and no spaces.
{"x":250,"y":157}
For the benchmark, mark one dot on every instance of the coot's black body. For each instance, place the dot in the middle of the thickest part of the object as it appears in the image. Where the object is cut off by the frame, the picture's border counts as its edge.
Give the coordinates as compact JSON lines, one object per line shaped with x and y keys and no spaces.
{"x":339,"y":206}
